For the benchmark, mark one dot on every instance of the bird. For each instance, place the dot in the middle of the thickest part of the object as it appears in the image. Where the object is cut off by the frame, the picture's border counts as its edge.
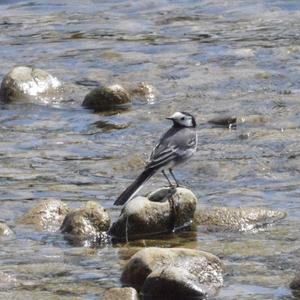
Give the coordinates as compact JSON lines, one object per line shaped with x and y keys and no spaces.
{"x":174,"y":147}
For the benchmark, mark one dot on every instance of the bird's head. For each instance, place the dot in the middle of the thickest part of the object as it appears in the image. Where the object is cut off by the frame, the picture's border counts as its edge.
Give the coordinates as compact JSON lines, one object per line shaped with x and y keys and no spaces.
{"x":183,"y":119}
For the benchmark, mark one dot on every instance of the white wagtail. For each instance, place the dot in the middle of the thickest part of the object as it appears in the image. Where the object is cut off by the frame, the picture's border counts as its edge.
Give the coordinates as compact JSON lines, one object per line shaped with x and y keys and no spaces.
{"x":177,"y":145}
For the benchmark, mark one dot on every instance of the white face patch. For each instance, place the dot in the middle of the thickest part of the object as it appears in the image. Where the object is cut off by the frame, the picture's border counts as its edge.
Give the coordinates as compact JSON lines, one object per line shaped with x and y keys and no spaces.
{"x":182,"y":119}
{"x":177,"y":115}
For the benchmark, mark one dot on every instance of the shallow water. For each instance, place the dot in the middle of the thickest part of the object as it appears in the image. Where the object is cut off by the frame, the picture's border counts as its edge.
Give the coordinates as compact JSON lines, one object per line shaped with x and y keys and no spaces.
{"x":209,"y":57}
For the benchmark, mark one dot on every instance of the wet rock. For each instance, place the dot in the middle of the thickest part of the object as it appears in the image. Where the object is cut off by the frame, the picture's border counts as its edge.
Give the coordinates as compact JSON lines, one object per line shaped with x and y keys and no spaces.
{"x":169,"y":272}
{"x":295,"y":284}
{"x":155,"y":214}
{"x":233,"y":121}
{"x":172,"y":283}
{"x":108,"y":126}
{"x":253,"y":119}
{"x":47,"y":215}
{"x":107,"y":98}
{"x":228,"y":122}
{"x":126,"y":293}
{"x":145,"y":91}
{"x":5,"y":230}
{"x":29,"y":83}
{"x":241,"y":219}
{"x":89,"y":221}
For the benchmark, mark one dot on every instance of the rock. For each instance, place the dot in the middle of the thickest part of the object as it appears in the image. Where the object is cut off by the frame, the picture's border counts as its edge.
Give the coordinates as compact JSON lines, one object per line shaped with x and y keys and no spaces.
{"x":234,"y":121}
{"x":173,"y":271}
{"x":47,"y":215}
{"x":29,"y":83}
{"x":107,"y":126}
{"x":154,"y":214}
{"x":295,"y":284}
{"x":228,"y":121}
{"x":172,"y":283}
{"x":107,"y":98}
{"x":5,"y":230}
{"x":89,"y":221}
{"x":145,"y":91}
{"x":253,"y":119}
{"x":241,"y":219}
{"x":126,"y":293}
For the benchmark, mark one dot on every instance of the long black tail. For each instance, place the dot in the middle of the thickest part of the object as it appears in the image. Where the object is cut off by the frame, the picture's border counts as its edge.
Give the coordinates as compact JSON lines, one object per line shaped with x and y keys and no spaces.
{"x":134,"y":187}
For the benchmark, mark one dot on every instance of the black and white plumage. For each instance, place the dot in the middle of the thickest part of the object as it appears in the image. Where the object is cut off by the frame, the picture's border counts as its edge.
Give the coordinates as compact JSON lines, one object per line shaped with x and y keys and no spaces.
{"x":176,"y":146}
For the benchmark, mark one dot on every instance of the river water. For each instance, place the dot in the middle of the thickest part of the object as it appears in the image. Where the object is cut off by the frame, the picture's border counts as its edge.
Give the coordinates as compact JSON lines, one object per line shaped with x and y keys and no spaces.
{"x":209,"y":57}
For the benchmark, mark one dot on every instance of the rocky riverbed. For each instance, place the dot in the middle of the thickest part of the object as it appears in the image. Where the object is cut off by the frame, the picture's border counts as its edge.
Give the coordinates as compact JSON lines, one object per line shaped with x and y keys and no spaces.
{"x":85,"y":90}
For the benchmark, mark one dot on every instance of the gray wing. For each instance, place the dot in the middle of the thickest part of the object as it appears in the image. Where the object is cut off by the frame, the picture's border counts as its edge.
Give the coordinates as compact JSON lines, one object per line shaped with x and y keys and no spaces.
{"x":174,"y":144}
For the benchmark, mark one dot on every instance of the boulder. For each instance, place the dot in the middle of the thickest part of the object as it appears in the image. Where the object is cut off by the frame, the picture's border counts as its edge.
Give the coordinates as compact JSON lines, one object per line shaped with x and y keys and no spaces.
{"x":239,"y":219}
{"x":126,"y":293}
{"x":5,"y":230}
{"x":47,"y":215}
{"x":91,"y":221}
{"x":170,"y":272}
{"x":162,"y":211}
{"x":29,"y":83}
{"x":107,"y":98}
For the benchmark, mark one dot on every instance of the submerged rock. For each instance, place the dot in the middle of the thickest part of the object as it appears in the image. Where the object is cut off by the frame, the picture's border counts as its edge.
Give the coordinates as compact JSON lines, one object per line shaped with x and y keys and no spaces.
{"x":126,"y":293}
{"x":29,"y":83}
{"x":47,"y":215}
{"x":107,"y":98}
{"x":227,"y":121}
{"x":5,"y":230}
{"x":295,"y":284}
{"x":155,"y":214}
{"x":145,"y":91}
{"x":91,"y":221}
{"x":234,"y":121}
{"x":107,"y":126}
{"x":253,"y":119}
{"x":172,"y":273}
{"x":241,"y":219}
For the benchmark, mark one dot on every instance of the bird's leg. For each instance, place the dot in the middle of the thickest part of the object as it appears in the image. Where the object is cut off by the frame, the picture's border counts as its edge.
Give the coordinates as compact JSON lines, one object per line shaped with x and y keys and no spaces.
{"x":164,"y":173}
{"x":172,"y":174}
{"x":173,"y":212}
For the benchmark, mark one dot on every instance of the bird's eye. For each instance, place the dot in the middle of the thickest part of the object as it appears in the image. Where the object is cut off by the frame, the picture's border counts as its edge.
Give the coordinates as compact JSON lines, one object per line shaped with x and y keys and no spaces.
{"x":182,"y":118}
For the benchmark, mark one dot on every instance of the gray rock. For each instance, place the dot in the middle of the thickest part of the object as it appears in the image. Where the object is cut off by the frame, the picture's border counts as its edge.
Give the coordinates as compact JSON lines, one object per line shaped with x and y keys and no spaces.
{"x":173,"y":271}
{"x":240,"y":219}
{"x":126,"y":293}
{"x":47,"y":215}
{"x":107,"y":98}
{"x":295,"y":284}
{"x":29,"y":83}
{"x":5,"y":230}
{"x":143,"y":216}
{"x":89,"y":221}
